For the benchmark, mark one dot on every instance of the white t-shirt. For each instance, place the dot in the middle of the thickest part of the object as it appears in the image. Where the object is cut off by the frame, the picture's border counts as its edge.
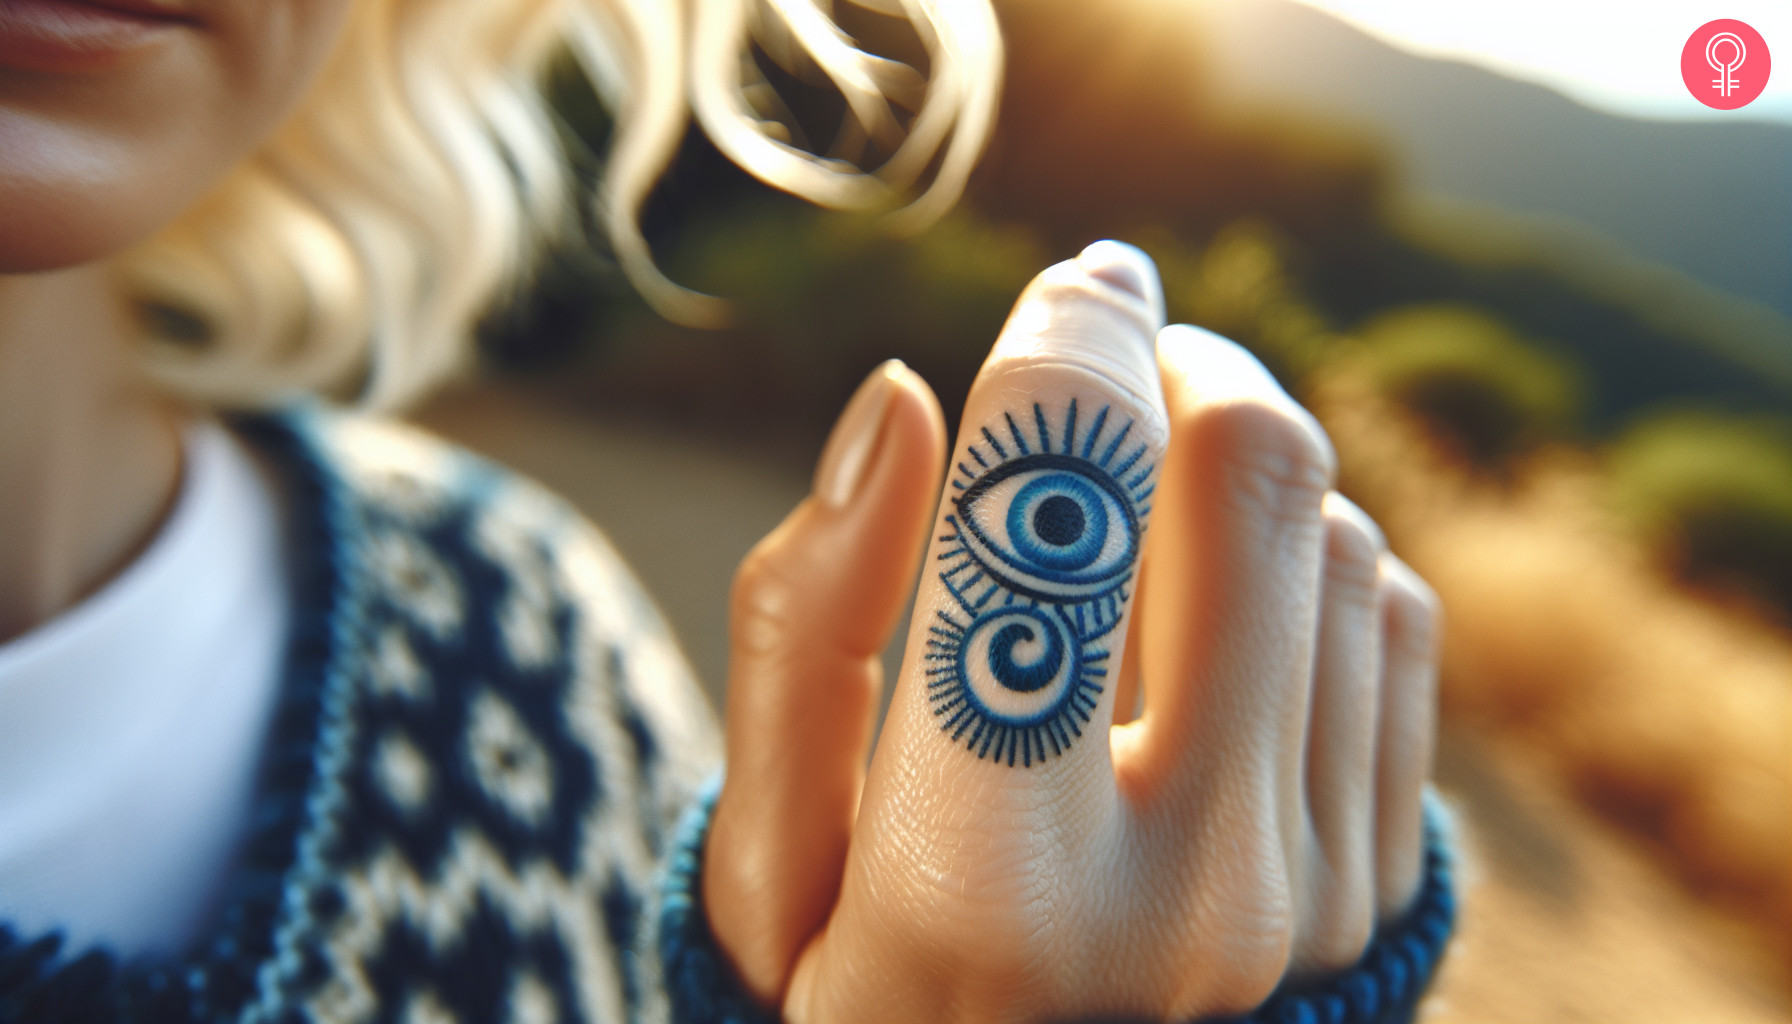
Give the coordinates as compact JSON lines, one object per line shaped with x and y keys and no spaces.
{"x":132,"y":725}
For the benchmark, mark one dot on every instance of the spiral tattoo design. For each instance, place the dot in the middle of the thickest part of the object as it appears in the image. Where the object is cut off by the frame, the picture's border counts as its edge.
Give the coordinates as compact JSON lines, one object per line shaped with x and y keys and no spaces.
{"x":1039,"y":550}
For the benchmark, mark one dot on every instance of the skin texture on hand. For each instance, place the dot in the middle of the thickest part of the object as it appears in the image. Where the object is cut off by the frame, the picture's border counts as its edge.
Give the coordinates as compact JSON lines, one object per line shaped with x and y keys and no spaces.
{"x":1011,"y":855}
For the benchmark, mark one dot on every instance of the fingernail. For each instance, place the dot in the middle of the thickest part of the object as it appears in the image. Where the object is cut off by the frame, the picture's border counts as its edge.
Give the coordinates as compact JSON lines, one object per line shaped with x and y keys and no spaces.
{"x":848,"y":452}
{"x":1127,"y":268}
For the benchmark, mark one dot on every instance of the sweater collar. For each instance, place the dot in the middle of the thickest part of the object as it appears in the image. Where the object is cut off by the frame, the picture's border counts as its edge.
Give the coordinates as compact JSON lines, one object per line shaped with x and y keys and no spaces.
{"x":218,"y":976}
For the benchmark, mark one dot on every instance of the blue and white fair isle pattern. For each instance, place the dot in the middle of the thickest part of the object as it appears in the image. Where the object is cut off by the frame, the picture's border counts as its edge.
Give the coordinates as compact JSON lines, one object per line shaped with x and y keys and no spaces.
{"x":485,"y":740}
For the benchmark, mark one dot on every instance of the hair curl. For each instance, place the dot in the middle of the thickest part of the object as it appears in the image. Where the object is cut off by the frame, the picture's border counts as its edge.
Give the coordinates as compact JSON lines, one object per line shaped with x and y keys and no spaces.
{"x":355,"y":251}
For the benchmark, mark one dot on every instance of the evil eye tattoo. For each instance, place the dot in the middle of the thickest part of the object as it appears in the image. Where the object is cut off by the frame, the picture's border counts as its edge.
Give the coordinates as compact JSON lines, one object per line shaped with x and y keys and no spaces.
{"x":1039,"y":555}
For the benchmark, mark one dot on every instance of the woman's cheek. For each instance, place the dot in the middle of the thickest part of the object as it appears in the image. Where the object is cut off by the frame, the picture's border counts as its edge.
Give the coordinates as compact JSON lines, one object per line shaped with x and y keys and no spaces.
{"x":105,"y":140}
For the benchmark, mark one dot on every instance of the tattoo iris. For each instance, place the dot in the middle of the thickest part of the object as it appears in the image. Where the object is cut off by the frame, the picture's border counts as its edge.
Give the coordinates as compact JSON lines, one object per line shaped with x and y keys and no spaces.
{"x":1040,"y":552}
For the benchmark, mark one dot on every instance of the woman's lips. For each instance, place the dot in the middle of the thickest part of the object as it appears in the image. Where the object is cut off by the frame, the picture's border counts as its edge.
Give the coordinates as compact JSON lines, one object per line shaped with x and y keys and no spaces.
{"x":70,"y":35}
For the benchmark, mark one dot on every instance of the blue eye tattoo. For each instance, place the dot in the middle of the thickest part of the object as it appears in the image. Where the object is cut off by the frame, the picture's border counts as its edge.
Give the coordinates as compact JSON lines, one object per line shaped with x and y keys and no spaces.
{"x":1039,"y":554}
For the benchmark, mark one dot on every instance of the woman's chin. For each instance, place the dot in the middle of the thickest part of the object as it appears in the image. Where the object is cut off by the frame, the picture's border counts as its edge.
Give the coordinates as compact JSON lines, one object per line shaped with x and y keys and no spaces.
{"x":38,"y":240}
{"x":67,"y":200}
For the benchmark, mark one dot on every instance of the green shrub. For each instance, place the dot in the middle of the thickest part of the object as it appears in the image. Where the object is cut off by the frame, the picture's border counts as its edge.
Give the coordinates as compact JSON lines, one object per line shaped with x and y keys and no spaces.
{"x":1484,"y":390}
{"x":1712,"y":494}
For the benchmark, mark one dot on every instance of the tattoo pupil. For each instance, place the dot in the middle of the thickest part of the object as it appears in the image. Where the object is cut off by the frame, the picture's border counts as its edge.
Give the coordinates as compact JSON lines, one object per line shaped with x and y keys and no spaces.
{"x":1058,"y":521}
{"x":1042,"y":541}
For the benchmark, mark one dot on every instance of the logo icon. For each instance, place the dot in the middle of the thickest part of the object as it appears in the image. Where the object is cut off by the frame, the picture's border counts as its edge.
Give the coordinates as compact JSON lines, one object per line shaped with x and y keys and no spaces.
{"x":1725,"y":64}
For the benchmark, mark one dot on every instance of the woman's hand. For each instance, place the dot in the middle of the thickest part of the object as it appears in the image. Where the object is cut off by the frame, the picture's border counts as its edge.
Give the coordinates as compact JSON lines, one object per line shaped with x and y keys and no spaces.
{"x":1125,"y":510}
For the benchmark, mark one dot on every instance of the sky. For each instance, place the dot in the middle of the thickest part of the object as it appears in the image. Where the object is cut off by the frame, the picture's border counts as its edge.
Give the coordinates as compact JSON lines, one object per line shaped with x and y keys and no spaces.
{"x":1622,"y":57}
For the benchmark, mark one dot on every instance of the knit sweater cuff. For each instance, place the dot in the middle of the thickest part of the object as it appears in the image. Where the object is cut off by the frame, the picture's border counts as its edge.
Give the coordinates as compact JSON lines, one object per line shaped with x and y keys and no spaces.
{"x":1383,"y":988}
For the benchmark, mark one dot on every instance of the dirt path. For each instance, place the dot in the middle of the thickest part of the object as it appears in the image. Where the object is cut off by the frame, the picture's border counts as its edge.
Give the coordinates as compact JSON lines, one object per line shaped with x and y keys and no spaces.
{"x":1565,"y":920}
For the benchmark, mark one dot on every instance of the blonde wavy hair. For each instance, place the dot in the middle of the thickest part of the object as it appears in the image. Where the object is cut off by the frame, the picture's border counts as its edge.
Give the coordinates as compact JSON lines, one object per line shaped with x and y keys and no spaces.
{"x":355,"y":251}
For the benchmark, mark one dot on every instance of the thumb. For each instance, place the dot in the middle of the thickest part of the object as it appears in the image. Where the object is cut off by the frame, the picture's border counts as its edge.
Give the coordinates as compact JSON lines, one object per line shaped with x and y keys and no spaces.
{"x":814,"y":605}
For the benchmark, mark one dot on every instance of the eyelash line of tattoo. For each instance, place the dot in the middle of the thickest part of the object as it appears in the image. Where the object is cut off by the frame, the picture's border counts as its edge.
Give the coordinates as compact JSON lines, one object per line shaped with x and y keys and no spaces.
{"x":1060,"y":596}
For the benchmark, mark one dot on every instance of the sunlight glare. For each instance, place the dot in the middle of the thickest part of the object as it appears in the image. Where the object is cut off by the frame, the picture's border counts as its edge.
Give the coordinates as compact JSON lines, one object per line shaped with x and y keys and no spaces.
{"x":1624,"y":58}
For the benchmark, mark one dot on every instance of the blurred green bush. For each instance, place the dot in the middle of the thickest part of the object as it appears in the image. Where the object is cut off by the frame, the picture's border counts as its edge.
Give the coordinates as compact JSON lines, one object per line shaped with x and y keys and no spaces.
{"x":1240,"y":286}
{"x":1712,"y":495}
{"x":1485,"y":391}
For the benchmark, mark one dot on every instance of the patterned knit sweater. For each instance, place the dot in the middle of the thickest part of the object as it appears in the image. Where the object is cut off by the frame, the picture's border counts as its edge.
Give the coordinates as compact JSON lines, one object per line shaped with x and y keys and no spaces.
{"x":470,"y":805}
{"x":484,"y":738}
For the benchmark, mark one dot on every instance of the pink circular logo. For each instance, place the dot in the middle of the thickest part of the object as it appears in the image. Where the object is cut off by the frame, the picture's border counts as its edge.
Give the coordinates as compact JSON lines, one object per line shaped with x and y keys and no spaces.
{"x":1725,"y":64}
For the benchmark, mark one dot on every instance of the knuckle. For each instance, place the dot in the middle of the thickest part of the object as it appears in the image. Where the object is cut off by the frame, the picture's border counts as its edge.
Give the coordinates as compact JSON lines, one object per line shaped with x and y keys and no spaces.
{"x":1257,"y":971}
{"x":1338,"y":507}
{"x":1342,"y":937}
{"x":1070,"y":321}
{"x":1273,"y":454}
{"x":1340,"y":914}
{"x":1398,"y":875}
{"x":1414,"y":611}
{"x":762,"y":603}
{"x":759,"y":573}
{"x":1352,"y":556}
{"x":1256,"y":925}
{"x":1067,"y":312}
{"x":1058,"y":374}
